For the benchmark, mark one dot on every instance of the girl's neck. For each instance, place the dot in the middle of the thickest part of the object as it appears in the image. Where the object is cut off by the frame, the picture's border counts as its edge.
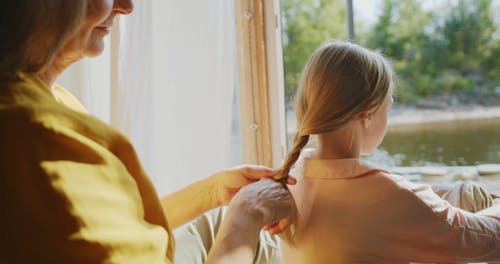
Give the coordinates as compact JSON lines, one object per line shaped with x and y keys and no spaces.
{"x":342,"y":143}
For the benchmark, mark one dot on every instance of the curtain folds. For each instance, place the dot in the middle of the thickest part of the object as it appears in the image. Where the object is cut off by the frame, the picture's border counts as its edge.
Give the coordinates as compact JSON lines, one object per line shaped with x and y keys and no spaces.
{"x":166,"y":80}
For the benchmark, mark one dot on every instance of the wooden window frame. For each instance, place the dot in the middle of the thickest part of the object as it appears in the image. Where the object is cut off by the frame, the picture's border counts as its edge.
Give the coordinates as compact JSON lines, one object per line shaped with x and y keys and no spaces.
{"x":261,"y":81}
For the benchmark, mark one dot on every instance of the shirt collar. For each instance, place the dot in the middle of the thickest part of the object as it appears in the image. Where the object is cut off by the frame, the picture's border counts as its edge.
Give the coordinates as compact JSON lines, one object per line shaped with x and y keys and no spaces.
{"x":312,"y":167}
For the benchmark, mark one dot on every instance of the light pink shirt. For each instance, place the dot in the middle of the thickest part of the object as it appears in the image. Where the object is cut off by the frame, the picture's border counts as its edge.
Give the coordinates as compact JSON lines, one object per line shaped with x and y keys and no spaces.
{"x":349,"y":212}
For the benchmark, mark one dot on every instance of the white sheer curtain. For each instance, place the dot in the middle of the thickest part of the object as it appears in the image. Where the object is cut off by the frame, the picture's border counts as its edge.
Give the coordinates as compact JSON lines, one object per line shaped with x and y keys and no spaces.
{"x":167,"y":82}
{"x":89,"y":81}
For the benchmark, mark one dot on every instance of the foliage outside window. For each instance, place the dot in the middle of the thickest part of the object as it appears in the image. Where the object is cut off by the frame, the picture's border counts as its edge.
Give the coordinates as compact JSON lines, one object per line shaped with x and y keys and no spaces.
{"x":451,"y":47}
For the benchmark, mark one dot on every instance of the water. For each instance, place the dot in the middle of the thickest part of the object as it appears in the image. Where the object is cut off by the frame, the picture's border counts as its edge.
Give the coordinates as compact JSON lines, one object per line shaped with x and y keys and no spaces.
{"x":461,"y":143}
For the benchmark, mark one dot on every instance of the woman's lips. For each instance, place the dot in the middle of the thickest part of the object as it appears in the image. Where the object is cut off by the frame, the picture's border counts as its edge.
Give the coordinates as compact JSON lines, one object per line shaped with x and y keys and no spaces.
{"x":104,"y":29}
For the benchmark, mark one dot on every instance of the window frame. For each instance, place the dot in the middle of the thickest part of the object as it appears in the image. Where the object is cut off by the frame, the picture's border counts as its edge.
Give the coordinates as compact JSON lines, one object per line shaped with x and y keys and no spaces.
{"x":261,"y":81}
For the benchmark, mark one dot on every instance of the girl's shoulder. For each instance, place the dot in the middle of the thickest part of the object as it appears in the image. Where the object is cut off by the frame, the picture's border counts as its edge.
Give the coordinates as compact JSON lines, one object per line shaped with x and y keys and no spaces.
{"x":403,"y":184}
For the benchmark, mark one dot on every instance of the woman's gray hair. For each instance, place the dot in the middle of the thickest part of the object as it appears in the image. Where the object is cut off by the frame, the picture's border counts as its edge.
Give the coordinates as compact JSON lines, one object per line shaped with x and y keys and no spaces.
{"x":33,"y":31}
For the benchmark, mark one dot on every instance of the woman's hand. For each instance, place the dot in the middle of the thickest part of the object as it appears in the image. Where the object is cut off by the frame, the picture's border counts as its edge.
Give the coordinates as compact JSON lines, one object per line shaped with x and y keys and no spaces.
{"x":228,"y":182}
{"x":264,"y":202}
{"x":211,"y":192}
{"x":254,"y":206}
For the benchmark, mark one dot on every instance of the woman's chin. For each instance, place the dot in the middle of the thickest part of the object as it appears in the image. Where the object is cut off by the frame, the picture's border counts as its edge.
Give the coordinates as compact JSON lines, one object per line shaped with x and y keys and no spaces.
{"x":95,"y":47}
{"x":94,"y":51}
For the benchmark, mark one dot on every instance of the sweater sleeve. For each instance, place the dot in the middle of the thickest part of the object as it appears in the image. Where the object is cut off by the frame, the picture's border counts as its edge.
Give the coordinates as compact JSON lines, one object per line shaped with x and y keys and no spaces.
{"x":436,"y":231}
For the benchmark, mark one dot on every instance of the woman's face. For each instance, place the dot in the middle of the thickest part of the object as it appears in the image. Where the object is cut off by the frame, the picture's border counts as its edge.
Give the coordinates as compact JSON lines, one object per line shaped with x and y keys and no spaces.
{"x":89,"y":41}
{"x":376,"y":127}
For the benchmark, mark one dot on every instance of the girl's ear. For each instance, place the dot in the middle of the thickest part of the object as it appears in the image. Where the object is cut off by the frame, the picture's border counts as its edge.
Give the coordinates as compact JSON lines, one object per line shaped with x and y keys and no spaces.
{"x":366,"y":122}
{"x":365,"y":118}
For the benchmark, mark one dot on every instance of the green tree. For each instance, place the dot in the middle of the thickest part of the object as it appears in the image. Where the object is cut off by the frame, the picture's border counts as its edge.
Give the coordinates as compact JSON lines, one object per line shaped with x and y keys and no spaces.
{"x":470,"y":48}
{"x":438,"y":51}
{"x":451,"y":47}
{"x":307,"y":24}
{"x":400,"y":34}
{"x":399,"y":28}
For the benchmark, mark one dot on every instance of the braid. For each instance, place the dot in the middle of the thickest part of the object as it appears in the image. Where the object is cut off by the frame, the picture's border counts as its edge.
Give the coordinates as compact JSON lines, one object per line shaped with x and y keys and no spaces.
{"x":293,"y":155}
{"x":299,"y":143}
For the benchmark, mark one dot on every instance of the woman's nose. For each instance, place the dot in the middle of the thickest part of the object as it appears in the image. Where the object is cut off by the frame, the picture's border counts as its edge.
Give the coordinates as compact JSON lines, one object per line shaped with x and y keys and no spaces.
{"x":123,"y":6}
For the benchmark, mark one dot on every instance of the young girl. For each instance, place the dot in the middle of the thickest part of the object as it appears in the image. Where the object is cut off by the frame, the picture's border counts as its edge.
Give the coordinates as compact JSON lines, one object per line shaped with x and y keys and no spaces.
{"x":349,"y":211}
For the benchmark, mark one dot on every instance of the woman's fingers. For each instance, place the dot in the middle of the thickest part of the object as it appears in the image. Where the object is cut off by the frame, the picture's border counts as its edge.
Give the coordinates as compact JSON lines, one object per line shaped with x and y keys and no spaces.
{"x":291,"y":180}
{"x":228,"y":182}
{"x":266,"y":201}
{"x":257,"y":171}
{"x":270,"y":226}
{"x":280,"y":226}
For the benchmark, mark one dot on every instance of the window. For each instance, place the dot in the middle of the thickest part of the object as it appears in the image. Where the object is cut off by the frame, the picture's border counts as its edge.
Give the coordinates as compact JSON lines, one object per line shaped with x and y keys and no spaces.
{"x":445,"y":53}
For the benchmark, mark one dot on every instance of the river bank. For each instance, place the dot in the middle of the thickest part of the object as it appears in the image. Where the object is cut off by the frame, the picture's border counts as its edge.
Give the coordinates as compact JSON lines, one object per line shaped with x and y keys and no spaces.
{"x":446,"y":107}
{"x":409,"y":116}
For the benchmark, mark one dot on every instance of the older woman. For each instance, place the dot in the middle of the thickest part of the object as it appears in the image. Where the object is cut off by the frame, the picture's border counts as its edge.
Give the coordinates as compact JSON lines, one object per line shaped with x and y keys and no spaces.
{"x":73,"y":190}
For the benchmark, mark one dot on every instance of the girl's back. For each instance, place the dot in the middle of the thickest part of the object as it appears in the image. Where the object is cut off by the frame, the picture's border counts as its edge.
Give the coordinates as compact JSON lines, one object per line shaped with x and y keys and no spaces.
{"x":349,"y":212}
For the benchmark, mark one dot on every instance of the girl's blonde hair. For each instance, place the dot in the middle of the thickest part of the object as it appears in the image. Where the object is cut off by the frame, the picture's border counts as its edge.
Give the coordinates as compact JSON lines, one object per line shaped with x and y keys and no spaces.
{"x":340,"y":81}
{"x":33,"y":31}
